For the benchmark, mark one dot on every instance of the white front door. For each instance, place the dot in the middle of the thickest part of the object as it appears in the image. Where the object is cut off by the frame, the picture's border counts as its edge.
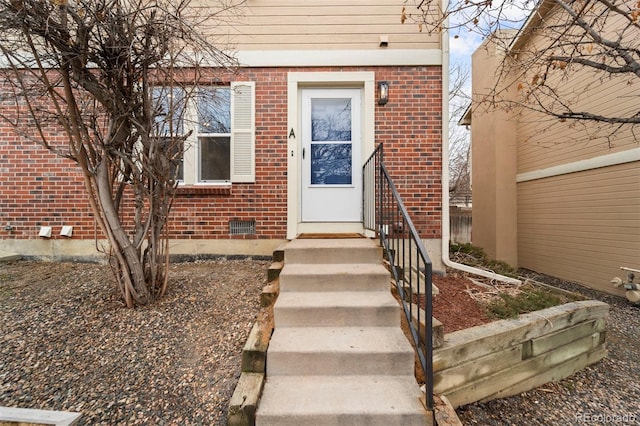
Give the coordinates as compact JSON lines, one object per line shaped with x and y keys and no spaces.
{"x":331,"y":155}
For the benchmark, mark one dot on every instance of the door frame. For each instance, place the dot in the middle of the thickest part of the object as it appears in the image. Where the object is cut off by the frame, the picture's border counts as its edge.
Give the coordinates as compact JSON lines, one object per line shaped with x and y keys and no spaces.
{"x":297,"y":81}
{"x":331,"y":202}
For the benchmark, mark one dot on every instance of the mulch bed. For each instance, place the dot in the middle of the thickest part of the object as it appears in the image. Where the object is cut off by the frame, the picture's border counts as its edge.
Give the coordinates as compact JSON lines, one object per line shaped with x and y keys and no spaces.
{"x":454,"y":306}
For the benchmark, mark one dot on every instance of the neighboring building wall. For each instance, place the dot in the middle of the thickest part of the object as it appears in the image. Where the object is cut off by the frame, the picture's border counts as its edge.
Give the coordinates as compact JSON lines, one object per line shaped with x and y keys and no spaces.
{"x":494,"y":166}
{"x":544,"y":141}
{"x":40,"y":189}
{"x":581,"y":226}
{"x":578,"y":187}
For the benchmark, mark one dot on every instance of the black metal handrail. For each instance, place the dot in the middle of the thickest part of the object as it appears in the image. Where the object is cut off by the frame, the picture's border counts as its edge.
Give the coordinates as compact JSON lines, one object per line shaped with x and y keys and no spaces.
{"x":386,"y":215}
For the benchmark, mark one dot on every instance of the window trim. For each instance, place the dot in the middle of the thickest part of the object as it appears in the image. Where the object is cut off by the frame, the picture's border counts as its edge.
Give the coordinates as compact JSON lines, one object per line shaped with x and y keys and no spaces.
{"x":242,"y":139}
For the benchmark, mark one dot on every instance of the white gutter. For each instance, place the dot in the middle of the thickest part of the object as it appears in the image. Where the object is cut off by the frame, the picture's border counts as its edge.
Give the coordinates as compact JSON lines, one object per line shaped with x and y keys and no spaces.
{"x":445,"y":172}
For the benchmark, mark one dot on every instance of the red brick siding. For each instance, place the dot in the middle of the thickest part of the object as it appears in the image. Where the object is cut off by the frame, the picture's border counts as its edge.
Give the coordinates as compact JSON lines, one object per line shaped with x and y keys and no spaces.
{"x":39,"y":188}
{"x":410,"y":126}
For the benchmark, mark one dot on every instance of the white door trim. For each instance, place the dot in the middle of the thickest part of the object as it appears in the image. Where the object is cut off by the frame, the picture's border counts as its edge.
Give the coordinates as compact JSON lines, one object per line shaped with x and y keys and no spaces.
{"x":296,"y":81}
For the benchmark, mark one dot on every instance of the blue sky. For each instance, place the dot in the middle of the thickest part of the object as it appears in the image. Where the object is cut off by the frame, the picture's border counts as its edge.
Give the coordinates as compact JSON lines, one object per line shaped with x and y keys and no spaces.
{"x":463,"y":41}
{"x":508,"y":14}
{"x":512,"y":13}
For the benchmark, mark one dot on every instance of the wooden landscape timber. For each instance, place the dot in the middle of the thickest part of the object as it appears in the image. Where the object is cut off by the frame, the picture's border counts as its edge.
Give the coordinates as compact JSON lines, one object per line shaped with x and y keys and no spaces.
{"x":507,"y":357}
{"x":245,"y":398}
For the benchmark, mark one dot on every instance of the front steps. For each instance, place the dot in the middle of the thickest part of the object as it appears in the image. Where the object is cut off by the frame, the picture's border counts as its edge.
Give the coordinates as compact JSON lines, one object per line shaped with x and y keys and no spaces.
{"x":340,"y":400}
{"x":331,"y":309}
{"x":337,"y":355}
{"x":334,"y":351}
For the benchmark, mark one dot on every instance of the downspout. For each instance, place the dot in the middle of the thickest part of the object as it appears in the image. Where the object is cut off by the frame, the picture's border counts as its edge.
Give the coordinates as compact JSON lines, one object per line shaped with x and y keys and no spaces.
{"x":445,"y":170}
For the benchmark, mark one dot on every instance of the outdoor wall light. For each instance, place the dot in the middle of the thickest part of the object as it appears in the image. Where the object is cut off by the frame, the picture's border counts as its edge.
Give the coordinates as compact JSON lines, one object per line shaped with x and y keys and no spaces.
{"x":383,"y":92}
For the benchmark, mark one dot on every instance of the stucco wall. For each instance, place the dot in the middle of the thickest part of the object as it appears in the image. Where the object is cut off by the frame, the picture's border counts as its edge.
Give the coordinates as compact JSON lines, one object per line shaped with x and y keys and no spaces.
{"x":494,"y":165}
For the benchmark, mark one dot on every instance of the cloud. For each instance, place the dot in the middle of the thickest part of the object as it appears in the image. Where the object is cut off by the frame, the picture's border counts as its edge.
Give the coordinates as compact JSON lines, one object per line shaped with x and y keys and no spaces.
{"x":466,"y":36}
{"x":464,"y":44}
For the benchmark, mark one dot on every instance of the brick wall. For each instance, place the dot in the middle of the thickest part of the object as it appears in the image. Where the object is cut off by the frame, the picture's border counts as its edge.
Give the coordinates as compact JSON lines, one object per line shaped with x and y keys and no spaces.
{"x":410,"y":126}
{"x":39,"y":188}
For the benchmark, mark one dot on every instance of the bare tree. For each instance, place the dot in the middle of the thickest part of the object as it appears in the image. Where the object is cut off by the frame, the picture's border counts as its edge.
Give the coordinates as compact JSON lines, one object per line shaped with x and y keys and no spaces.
{"x":112,"y":76}
{"x":459,"y":138}
{"x":594,"y":41}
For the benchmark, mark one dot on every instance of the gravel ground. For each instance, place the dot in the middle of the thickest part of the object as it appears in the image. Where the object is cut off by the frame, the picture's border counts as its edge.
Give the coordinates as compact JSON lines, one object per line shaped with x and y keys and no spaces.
{"x":606,"y":393}
{"x":67,"y":342}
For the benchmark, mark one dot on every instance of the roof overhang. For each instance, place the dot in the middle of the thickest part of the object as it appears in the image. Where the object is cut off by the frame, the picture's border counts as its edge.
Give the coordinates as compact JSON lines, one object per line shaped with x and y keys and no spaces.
{"x":536,"y":16}
{"x":465,"y":120}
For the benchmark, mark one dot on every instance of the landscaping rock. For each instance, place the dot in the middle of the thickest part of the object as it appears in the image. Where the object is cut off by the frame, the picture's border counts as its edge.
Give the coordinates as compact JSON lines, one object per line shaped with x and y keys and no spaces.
{"x":67,"y":343}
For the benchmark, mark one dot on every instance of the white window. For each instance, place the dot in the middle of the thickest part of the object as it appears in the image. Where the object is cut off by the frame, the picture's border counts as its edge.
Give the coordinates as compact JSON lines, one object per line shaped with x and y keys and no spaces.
{"x":213,"y":133}
{"x":169,"y":122}
{"x":221,"y":146}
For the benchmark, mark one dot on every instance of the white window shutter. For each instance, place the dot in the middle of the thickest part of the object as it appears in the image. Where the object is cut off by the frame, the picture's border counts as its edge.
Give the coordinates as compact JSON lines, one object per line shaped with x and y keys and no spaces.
{"x":243,"y":131}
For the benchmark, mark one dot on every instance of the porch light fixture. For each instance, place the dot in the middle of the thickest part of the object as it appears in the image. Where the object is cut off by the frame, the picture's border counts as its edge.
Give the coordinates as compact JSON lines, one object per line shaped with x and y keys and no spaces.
{"x":383,"y":92}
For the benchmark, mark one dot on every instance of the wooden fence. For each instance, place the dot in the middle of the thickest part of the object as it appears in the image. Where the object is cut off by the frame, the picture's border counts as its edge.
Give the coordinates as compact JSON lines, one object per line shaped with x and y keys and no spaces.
{"x":460,"y":224}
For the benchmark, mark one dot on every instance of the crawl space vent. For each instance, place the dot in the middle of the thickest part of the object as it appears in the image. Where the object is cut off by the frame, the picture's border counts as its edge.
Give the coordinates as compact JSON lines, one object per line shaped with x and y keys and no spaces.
{"x":242,"y":227}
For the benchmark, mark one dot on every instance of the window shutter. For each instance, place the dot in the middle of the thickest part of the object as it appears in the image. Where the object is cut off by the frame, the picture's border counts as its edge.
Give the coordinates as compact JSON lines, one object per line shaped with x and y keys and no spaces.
{"x":243,"y":152}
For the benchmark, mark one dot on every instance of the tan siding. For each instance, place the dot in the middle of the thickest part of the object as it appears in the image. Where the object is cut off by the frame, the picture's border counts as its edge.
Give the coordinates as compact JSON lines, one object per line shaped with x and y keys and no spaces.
{"x":581,"y":226}
{"x":321,"y":25}
{"x":544,"y":141}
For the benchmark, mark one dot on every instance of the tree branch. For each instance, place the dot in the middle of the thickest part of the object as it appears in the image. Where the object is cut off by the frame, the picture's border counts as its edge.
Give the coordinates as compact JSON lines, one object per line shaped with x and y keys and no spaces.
{"x":598,"y":38}
{"x":593,"y":64}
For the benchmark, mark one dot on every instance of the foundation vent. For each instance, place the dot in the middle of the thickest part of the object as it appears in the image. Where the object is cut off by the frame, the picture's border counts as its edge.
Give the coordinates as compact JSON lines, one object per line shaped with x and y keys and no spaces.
{"x":242,"y":227}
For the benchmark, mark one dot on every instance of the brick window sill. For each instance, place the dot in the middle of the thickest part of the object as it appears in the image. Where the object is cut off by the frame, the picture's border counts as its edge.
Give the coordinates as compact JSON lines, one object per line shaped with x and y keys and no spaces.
{"x":203,"y":190}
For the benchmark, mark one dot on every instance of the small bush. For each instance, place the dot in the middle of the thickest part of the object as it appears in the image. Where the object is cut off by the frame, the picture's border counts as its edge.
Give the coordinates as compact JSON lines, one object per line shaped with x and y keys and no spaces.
{"x":531,"y":299}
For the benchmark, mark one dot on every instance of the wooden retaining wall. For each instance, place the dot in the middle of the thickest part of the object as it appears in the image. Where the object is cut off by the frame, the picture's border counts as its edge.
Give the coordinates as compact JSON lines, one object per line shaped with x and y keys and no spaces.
{"x":508,"y":357}
{"x":244,"y":401}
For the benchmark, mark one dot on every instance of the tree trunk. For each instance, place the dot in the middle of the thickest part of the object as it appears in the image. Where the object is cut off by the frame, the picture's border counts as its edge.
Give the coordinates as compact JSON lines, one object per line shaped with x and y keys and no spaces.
{"x":129,"y":265}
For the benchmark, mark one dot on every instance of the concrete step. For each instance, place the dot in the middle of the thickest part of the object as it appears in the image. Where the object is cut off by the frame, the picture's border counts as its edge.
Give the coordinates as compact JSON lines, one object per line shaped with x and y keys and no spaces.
{"x":335,"y":309}
{"x":341,"y":400}
{"x":334,"y":277}
{"x":298,"y":351}
{"x":334,"y":251}
{"x":6,"y":256}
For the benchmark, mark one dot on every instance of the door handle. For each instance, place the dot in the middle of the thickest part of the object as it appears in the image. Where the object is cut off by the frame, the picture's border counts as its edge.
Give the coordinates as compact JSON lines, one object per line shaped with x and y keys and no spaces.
{"x":303,"y":153}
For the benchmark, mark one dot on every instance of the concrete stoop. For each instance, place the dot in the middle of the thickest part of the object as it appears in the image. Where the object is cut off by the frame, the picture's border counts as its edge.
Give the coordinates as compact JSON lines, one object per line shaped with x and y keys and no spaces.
{"x":341,"y":400}
{"x":337,"y":354}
